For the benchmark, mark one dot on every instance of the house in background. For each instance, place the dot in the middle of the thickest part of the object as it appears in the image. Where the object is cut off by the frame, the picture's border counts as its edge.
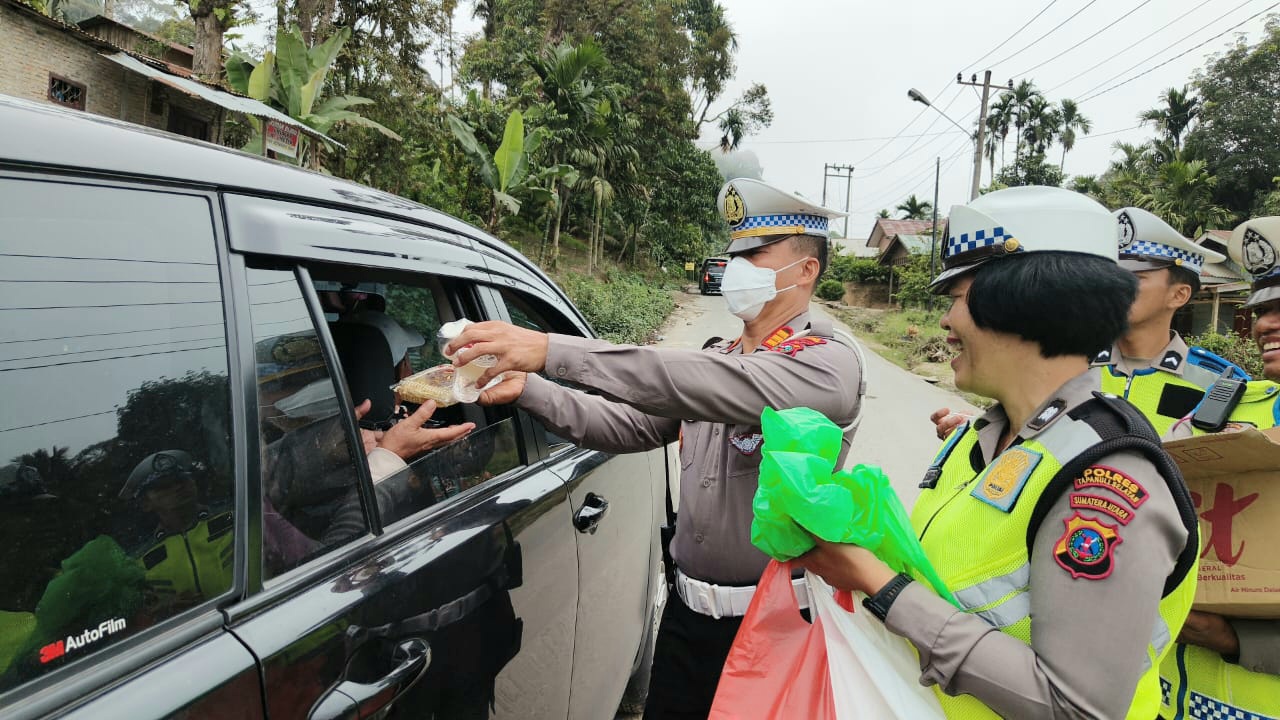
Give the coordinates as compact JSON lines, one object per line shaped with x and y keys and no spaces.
{"x":903,"y":246}
{"x":855,"y":247}
{"x":1224,"y":286}
{"x":886,"y":229}
{"x":107,"y":68}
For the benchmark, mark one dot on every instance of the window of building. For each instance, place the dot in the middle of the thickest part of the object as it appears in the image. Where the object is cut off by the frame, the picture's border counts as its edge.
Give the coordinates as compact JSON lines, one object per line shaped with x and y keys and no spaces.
{"x":116,"y":474}
{"x":65,"y":92}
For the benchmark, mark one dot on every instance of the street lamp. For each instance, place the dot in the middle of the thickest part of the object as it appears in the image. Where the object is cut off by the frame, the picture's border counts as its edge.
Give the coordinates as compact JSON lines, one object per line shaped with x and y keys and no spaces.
{"x":919,"y":97}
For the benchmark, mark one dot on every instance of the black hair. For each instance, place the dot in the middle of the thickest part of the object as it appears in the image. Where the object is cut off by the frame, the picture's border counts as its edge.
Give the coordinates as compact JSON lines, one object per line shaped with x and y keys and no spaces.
{"x":1182,"y":276}
{"x":814,"y":247}
{"x":1067,"y":303}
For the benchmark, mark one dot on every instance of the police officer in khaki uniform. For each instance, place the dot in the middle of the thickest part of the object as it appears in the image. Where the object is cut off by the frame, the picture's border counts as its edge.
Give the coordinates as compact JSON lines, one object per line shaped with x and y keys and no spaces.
{"x":711,"y":400}
{"x":1063,"y":529}
{"x":1230,"y":667}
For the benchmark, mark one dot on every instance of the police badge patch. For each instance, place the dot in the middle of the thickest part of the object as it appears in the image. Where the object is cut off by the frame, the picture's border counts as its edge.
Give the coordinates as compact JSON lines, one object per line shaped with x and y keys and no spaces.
{"x":747,"y":443}
{"x":1086,"y":547}
{"x":1002,"y":482}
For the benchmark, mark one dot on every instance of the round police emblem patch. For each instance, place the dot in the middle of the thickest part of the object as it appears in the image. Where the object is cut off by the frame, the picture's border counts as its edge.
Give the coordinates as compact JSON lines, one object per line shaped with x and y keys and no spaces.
{"x":735,"y":211}
{"x":1259,"y":253}
{"x":1087,"y":546}
{"x":1126,"y":230}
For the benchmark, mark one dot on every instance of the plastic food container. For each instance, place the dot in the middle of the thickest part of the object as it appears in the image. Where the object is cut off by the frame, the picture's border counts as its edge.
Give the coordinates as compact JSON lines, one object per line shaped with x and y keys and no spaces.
{"x":435,"y":383}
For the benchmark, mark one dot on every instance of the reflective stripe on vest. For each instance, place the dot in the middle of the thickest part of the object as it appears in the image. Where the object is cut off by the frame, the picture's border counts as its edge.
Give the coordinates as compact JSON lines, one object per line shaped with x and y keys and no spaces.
{"x":959,"y":531}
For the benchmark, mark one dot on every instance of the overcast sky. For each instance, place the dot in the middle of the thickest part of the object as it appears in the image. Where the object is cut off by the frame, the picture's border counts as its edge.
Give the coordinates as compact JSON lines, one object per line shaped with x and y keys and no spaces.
{"x":839,"y":70}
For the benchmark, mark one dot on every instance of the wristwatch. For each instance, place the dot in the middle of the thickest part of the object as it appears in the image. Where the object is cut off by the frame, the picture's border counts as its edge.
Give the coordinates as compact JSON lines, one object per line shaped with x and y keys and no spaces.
{"x":880,"y":603}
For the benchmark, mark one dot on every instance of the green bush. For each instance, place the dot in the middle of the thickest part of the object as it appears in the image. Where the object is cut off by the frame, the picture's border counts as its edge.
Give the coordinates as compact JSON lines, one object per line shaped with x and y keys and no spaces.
{"x":913,"y":278}
{"x":624,"y":309}
{"x":1241,"y":351}
{"x":847,"y":268}
{"x":831,"y":290}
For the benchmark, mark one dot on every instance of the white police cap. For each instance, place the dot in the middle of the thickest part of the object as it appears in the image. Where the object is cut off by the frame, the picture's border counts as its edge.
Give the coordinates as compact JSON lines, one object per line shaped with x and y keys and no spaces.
{"x":1255,"y":245}
{"x":1023,"y":219}
{"x":1149,"y":243}
{"x":760,"y":214}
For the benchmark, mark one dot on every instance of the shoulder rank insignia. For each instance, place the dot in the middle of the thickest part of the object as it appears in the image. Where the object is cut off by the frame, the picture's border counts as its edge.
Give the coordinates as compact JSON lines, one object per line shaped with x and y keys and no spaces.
{"x":1002,"y":482}
{"x":1172,"y":360}
{"x":747,"y":443}
{"x":793,"y":346}
{"x":1086,"y":547}
{"x":1115,"y":481}
{"x":1103,"y":358}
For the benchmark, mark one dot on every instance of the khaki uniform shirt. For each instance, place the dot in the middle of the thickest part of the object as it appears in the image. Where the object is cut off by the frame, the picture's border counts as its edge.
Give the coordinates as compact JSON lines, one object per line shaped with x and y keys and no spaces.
{"x":710,"y":400}
{"x":1076,"y":623}
{"x":1172,"y":359}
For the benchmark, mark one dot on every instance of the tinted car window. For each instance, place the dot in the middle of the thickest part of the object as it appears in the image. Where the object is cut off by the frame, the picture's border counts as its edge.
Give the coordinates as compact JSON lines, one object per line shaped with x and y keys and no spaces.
{"x":116,"y":480}
{"x":310,"y":497}
{"x":528,"y":313}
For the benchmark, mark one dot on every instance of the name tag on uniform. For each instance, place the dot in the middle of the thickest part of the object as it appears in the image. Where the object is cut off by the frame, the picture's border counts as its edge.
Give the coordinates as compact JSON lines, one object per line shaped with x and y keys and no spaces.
{"x":1001,"y":483}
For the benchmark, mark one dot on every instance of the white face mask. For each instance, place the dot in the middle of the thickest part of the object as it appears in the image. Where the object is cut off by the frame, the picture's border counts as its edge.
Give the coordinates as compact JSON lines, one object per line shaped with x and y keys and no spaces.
{"x":747,"y":288}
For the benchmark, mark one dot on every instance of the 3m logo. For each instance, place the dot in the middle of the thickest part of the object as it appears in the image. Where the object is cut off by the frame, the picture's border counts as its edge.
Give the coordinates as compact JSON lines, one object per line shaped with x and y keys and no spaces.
{"x":53,"y":651}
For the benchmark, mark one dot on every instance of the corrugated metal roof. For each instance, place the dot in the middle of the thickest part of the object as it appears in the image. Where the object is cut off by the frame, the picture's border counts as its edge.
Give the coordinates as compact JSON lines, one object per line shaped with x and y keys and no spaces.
{"x":235,"y":103}
{"x":916,"y":244}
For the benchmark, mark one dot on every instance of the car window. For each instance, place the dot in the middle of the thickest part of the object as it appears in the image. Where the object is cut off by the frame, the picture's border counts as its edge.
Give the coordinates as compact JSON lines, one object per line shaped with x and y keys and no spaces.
{"x":116,"y":479}
{"x":311,"y":501}
{"x":384,"y":329}
{"x":529,"y":313}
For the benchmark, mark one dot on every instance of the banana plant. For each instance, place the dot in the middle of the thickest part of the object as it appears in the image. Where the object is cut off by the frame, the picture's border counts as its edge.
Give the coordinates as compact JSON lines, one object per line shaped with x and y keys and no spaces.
{"x":291,"y":79}
{"x":507,"y":170}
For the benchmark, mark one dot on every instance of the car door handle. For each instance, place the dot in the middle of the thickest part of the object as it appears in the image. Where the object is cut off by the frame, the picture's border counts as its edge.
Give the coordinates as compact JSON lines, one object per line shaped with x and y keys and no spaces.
{"x":591,"y":513}
{"x":357,"y":700}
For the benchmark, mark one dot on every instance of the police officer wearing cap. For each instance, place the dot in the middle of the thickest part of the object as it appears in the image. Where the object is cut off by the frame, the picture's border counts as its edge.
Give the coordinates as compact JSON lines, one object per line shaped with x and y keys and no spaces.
{"x":192,"y":557}
{"x":711,"y":400}
{"x":1230,"y":667}
{"x":1063,"y":529}
{"x":1150,"y":365}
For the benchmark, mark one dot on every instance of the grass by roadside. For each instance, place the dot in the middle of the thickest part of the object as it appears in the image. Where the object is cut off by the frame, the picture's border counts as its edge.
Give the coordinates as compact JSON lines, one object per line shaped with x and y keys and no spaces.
{"x":910,"y":339}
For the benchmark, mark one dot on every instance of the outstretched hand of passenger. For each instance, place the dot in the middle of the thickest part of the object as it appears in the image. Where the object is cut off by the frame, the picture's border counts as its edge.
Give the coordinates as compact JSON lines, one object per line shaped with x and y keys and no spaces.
{"x":409,"y":439}
{"x":516,"y":348}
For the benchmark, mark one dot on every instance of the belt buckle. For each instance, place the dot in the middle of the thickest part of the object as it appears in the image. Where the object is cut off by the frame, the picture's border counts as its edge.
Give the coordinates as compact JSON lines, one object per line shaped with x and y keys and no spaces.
{"x":707,"y":597}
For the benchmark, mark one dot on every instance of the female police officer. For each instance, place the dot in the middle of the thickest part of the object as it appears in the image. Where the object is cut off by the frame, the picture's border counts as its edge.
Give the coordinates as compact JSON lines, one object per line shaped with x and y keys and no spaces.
{"x":1063,"y":530}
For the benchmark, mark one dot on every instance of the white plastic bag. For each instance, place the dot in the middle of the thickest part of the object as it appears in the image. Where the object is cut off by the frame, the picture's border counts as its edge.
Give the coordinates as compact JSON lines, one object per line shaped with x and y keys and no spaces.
{"x":874,"y":673}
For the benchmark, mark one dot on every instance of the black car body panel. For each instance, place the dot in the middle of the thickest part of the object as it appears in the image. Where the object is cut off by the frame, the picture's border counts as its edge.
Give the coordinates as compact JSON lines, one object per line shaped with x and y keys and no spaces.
{"x":515,"y":592}
{"x":711,"y":275}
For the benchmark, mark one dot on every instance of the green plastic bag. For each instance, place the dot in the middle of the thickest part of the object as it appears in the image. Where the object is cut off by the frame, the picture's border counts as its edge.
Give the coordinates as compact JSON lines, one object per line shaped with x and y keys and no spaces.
{"x":801,"y":495}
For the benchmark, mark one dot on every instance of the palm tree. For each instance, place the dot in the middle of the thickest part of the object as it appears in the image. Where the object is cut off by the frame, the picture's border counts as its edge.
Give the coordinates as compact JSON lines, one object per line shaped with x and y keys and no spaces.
{"x":1040,"y":124}
{"x":999,"y":117}
{"x":487,"y":11}
{"x":883,"y":213}
{"x":1180,"y":109}
{"x":1181,"y":192}
{"x":1019,"y":99}
{"x":915,"y":209}
{"x":1072,"y":120}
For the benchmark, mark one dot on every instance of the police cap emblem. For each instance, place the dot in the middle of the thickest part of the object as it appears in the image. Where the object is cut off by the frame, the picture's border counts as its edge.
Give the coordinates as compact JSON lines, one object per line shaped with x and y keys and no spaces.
{"x":735,"y":211}
{"x":1259,"y":254}
{"x":1126,"y":230}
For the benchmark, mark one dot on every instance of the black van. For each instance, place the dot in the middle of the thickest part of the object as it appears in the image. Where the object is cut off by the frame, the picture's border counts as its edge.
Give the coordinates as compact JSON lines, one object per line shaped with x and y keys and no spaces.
{"x":711,"y":275}
{"x":188,"y":515}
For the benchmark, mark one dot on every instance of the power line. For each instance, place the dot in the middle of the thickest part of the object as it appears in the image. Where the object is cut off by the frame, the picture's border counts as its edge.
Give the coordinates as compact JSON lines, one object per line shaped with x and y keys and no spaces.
{"x":1015,"y":34}
{"x":879,"y":168}
{"x":53,"y":422}
{"x":1109,"y":132}
{"x":846,"y":140}
{"x":1051,"y":31}
{"x":894,"y":190}
{"x":1131,"y":46}
{"x":1103,"y":29}
{"x":1175,"y":57}
{"x":118,"y":357}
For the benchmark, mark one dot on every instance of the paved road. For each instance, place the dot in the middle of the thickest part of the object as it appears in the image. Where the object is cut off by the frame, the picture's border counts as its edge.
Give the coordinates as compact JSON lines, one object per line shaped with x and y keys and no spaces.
{"x":895,"y":432}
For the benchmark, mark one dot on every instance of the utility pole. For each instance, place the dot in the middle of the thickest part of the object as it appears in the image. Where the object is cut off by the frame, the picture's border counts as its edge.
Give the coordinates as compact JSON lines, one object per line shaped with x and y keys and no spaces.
{"x":979,"y":136}
{"x":846,"y":172}
{"x":933,"y":244}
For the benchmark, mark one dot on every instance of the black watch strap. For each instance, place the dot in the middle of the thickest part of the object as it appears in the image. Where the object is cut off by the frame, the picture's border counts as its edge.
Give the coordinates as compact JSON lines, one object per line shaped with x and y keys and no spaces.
{"x":880,"y":603}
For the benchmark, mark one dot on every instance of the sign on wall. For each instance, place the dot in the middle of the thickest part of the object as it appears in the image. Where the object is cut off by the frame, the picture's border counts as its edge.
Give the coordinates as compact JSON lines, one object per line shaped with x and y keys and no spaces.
{"x":281,"y":138}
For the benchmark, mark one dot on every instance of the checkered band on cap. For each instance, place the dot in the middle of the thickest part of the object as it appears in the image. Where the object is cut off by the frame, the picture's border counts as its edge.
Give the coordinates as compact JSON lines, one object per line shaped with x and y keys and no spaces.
{"x":977,"y":240}
{"x":1147,"y":250}
{"x":790,"y":223}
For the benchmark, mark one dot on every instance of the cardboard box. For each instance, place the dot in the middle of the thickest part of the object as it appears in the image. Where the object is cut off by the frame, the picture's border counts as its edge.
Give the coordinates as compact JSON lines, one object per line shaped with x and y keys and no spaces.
{"x":1234,"y":478}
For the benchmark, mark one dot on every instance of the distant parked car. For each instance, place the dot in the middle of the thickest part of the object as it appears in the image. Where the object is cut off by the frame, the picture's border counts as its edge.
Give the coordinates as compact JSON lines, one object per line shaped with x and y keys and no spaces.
{"x":712,"y":274}
{"x":189,"y":524}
